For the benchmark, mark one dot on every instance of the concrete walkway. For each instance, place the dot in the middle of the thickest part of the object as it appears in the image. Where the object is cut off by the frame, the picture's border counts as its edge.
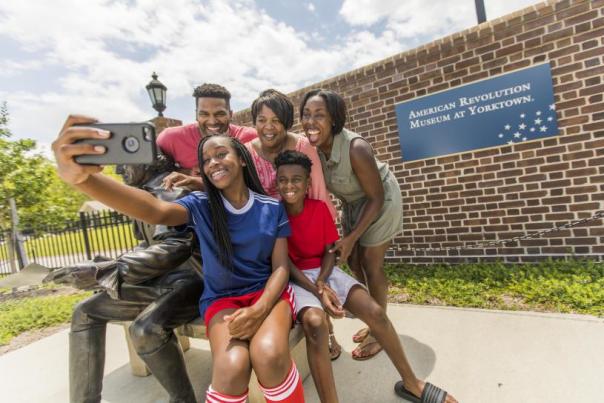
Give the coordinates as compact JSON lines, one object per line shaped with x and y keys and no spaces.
{"x":480,"y":356}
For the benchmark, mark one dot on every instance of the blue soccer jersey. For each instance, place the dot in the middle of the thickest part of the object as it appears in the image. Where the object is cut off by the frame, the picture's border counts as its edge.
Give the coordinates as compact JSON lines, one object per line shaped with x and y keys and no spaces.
{"x":253,"y":229}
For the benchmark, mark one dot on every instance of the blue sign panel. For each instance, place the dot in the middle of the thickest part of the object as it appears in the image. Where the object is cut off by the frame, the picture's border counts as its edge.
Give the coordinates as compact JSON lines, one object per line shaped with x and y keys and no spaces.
{"x":507,"y":109}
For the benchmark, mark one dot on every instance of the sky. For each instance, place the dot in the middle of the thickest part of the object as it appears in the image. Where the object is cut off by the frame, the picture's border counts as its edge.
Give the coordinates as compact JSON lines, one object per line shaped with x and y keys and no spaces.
{"x":95,"y":57}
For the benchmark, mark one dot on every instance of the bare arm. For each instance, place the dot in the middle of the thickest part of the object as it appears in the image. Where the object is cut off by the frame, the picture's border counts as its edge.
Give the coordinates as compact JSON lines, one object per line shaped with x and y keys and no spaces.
{"x":87,"y":178}
{"x":300,"y":279}
{"x":278,"y":280}
{"x":328,"y":261}
{"x":133,"y":202}
{"x":366,"y":171}
{"x":245,"y":322}
{"x":329,"y":299}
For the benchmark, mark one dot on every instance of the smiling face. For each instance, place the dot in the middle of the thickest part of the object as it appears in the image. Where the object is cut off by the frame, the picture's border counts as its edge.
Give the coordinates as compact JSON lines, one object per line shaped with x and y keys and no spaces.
{"x":317,"y":122}
{"x":221,"y":163}
{"x":271,"y":131}
{"x":292,"y":183}
{"x":213,"y":115}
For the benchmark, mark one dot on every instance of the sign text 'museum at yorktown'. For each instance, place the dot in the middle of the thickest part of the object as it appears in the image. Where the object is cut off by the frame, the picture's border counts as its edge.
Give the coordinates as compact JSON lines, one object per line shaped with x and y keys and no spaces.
{"x":506,"y":109}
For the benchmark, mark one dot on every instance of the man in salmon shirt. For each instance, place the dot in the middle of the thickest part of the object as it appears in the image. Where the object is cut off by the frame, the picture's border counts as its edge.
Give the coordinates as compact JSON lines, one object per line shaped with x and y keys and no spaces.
{"x":214,"y":115}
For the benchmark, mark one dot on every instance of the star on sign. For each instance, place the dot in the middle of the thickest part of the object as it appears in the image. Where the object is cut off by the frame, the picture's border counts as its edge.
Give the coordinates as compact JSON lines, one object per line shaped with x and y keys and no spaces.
{"x":549,"y":119}
{"x":507,"y":127}
{"x":543,"y":128}
{"x":524,"y":139}
{"x":532,"y":129}
{"x":522,"y":126}
{"x":522,"y":115}
{"x":500,"y":135}
{"x":538,"y":113}
{"x":552,"y":107}
{"x":537,"y":121}
{"x":510,"y":142}
{"x":517,"y":135}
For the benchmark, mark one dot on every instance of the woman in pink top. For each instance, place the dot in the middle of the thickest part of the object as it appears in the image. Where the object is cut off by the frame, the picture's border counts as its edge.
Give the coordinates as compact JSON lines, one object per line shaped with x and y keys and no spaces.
{"x":273,"y":115}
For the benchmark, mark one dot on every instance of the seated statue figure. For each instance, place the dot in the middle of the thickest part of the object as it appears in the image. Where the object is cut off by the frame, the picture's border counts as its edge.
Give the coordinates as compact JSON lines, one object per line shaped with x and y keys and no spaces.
{"x":156,"y":286}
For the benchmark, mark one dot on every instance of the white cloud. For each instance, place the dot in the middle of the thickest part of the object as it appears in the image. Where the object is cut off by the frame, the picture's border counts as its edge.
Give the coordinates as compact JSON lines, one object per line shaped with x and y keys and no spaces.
{"x":14,"y":67}
{"x":418,"y":17}
{"x":310,"y":7}
{"x":108,"y":50}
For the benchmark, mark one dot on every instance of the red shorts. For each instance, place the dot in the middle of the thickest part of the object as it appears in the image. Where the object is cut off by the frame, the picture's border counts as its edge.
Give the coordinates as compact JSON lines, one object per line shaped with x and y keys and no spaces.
{"x":244,"y":301}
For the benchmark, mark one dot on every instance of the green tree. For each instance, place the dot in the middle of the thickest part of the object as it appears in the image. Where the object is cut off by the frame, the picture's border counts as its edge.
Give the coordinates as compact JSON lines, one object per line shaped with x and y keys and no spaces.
{"x":27,"y":176}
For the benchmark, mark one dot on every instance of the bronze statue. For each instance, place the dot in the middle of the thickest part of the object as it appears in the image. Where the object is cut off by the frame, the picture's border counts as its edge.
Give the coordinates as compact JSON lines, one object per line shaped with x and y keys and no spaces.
{"x":156,"y":286}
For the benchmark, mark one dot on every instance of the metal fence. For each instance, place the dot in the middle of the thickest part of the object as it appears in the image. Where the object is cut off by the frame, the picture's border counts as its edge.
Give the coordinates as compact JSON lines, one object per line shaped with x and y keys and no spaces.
{"x":105,"y":233}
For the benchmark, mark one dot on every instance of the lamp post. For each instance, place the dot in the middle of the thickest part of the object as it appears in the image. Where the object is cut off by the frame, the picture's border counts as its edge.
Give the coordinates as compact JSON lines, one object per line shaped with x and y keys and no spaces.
{"x":157,"y":94}
{"x":481,"y":15}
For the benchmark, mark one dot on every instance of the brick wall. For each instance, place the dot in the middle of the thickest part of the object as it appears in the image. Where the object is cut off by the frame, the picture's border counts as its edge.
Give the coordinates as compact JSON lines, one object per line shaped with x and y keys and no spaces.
{"x":162,"y":123}
{"x":506,"y":191}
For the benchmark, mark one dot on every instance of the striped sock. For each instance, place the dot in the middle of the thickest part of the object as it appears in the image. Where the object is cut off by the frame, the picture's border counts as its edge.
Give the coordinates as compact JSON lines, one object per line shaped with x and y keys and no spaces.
{"x":289,"y":391}
{"x":216,"y":397}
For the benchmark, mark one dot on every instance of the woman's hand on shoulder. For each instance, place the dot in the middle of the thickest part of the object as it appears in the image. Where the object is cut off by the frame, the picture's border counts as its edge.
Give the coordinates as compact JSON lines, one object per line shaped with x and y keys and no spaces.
{"x":66,"y":149}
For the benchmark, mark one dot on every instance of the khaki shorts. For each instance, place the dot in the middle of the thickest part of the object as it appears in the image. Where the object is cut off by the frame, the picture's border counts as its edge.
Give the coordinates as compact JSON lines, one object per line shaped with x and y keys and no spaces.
{"x":338,"y":281}
{"x":387,"y":224}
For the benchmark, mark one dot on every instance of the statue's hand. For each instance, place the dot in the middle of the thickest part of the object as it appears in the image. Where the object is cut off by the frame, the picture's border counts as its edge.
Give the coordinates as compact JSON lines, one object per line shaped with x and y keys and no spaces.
{"x":80,"y":275}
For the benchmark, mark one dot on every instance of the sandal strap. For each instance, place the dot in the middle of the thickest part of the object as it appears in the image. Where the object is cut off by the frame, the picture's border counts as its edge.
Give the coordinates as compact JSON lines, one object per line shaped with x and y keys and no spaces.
{"x":433,"y":394}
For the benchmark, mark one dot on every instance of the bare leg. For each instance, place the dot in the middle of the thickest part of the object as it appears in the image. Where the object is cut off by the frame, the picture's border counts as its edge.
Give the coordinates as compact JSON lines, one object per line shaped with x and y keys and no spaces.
{"x":231,"y":368}
{"x":354,"y":262}
{"x":372,"y":261}
{"x":316,"y":331}
{"x":369,"y":311}
{"x":269,"y":347}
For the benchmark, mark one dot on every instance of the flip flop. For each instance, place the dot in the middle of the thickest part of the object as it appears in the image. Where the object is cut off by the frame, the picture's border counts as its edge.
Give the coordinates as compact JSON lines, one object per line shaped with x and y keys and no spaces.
{"x":332,"y":347}
{"x":430,"y":394}
{"x":365,"y":357}
{"x":361,"y":335}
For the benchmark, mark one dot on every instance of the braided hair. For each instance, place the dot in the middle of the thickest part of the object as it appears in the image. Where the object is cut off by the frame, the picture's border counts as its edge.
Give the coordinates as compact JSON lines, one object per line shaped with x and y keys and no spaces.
{"x":217,"y":209}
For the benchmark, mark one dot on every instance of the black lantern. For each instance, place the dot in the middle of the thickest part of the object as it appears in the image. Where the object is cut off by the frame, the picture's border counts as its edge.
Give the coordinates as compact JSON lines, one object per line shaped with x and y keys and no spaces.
{"x":157,"y":94}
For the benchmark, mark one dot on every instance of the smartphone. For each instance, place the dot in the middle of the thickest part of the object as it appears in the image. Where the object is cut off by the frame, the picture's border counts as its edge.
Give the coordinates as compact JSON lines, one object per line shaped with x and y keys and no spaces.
{"x":129,"y":144}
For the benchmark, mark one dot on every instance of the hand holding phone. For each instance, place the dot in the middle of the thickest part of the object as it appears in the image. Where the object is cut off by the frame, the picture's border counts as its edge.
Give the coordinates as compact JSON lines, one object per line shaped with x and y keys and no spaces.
{"x":129,"y":143}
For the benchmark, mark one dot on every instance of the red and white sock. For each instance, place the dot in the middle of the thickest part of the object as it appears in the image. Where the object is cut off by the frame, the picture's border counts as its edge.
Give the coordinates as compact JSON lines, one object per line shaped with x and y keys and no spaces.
{"x":289,"y":391}
{"x":216,"y":397}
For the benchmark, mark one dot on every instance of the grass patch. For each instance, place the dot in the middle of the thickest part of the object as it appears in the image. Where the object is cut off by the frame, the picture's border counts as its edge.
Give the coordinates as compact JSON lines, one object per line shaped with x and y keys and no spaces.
{"x":23,"y":314}
{"x":575,"y":286}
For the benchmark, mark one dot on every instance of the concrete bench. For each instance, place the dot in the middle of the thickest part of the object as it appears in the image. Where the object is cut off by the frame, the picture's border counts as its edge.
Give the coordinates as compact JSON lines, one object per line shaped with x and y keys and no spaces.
{"x":197,"y":329}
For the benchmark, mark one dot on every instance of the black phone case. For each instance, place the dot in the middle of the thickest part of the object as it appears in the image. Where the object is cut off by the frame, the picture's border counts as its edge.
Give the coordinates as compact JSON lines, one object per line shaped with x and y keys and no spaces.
{"x":117,"y":153}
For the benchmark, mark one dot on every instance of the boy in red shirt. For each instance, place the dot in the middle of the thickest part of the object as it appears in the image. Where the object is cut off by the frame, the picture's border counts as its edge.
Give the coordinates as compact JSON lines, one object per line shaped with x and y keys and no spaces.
{"x":320,"y":286}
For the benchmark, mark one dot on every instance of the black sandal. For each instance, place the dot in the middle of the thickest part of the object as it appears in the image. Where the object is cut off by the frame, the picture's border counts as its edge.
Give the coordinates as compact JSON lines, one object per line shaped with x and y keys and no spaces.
{"x":430,"y":394}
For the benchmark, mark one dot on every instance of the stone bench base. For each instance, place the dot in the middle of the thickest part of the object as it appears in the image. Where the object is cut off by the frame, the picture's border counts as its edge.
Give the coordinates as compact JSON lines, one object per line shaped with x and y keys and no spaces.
{"x":197,"y":329}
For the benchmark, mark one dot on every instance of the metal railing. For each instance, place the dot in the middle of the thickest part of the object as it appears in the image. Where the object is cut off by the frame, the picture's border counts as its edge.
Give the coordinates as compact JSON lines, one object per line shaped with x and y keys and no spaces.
{"x":105,"y":233}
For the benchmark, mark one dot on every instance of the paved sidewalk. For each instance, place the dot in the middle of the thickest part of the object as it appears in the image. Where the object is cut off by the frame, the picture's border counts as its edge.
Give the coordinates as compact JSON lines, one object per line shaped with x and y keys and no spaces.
{"x":480,"y":356}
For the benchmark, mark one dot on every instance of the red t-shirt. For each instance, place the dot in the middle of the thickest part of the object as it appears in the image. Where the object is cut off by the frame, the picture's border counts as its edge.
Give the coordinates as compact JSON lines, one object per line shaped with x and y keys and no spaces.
{"x":312,"y":229}
{"x":180,"y":142}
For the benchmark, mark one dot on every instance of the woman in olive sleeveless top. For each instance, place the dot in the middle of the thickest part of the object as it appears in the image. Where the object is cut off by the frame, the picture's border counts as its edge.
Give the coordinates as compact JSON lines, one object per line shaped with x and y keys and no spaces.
{"x":372,"y":216}
{"x":369,"y":192}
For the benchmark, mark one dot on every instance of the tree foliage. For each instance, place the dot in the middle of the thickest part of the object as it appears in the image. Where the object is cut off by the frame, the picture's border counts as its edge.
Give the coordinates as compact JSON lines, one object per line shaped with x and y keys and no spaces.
{"x":27,"y":176}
